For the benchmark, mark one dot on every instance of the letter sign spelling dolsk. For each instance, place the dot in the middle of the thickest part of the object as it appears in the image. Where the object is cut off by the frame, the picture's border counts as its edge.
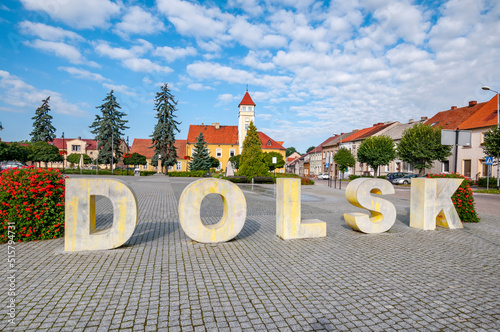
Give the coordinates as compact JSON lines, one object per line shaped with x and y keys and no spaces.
{"x":382,"y":212}
{"x":80,"y":229}
{"x":233,"y":218}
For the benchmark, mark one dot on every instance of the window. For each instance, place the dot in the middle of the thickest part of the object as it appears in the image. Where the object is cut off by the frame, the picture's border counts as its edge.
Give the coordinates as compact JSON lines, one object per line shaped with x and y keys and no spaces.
{"x":247,"y":120}
{"x":170,"y":168}
{"x":220,"y":166}
{"x":75,"y":148}
{"x":90,"y":152}
{"x":231,"y":153}
{"x":467,"y":168}
{"x":178,"y":167}
{"x":445,"y":166}
{"x":218,"y":153}
{"x":269,"y":143}
{"x":246,"y":126}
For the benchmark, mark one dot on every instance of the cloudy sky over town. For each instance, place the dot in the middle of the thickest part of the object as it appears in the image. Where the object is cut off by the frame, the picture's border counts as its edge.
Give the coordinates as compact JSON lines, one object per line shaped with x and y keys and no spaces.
{"x":313,"y":68}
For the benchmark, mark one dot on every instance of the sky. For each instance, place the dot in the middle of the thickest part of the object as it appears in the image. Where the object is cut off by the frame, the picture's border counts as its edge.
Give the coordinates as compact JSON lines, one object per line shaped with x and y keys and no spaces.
{"x":313,"y":68}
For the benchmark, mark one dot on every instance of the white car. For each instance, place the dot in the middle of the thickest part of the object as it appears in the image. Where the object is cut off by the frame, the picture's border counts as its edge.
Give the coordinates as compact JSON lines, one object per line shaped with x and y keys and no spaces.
{"x":323,"y":176}
{"x":405,"y":179}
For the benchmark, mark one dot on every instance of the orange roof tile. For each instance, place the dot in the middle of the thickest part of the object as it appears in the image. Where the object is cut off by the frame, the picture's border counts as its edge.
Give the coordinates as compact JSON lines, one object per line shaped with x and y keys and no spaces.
{"x":247,"y":100}
{"x":143,"y":146}
{"x":366,"y":132}
{"x":223,"y":135}
{"x":268,"y":142}
{"x":486,"y":116}
{"x":58,"y":142}
{"x":455,"y":117}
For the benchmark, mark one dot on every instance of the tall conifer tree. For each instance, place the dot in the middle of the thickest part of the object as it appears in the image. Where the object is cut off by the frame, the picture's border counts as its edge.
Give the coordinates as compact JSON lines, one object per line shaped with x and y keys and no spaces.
{"x":201,"y":156}
{"x":108,"y":128}
{"x":163,"y":138}
{"x":252,"y":159}
{"x":43,"y":131}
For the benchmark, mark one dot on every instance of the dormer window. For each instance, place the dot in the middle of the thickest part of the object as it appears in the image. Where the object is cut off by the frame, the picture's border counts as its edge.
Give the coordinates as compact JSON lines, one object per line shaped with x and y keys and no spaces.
{"x":269,"y":143}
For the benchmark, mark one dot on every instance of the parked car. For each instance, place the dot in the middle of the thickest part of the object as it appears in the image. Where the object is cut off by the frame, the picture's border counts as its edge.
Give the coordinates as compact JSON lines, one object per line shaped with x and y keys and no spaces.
{"x":395,"y":175}
{"x":405,"y":179}
{"x":12,"y":164}
{"x":323,"y":176}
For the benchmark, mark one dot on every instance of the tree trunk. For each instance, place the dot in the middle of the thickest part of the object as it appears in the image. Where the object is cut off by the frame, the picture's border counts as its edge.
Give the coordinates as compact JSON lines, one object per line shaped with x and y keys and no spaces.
{"x":421,"y":172}
{"x":375,"y":169}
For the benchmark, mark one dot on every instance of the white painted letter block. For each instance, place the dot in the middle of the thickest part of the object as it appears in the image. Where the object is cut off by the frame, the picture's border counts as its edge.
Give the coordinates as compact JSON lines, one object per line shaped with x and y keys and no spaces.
{"x":431,"y":203}
{"x":233,"y":218}
{"x":288,"y":210}
{"x":80,"y":230}
{"x":383,"y":213}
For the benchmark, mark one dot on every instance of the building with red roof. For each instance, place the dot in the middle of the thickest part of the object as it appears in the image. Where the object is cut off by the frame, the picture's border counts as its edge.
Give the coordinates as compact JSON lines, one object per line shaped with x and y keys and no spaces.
{"x":144,"y":147}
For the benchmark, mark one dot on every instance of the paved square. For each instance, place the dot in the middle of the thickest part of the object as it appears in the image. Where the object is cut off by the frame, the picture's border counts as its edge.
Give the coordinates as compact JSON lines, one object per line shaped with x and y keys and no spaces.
{"x":405,"y":279}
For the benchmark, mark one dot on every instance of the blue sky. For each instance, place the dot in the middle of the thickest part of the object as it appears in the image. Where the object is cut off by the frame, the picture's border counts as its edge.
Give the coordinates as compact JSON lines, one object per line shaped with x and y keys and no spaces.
{"x":313,"y":68}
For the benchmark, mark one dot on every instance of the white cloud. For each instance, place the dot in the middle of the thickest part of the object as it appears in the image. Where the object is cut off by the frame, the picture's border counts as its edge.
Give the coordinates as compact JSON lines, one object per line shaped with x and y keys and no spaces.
{"x":120,"y":88}
{"x":199,"y":87}
{"x":249,"y":6}
{"x":194,"y":20}
{"x":22,"y":96}
{"x":76,"y":13}
{"x":47,"y":32}
{"x":253,"y":60}
{"x":171,"y":54}
{"x":103,"y":48}
{"x":63,"y":50}
{"x":226,"y":98}
{"x":139,"y":21}
{"x":145,"y":65}
{"x":82,"y":73}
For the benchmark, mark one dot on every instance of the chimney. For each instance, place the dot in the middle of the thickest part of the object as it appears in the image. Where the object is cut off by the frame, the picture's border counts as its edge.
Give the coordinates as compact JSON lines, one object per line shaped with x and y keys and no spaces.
{"x":453,"y":107}
{"x":472,"y":103}
{"x":216,"y":125}
{"x":79,"y":137}
{"x":424,"y":118}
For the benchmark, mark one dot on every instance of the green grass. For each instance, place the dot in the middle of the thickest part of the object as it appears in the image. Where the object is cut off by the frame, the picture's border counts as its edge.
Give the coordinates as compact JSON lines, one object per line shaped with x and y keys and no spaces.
{"x":491,"y":191}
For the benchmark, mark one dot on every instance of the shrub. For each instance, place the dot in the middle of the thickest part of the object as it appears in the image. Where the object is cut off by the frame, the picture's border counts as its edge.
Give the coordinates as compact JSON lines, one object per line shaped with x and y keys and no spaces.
{"x":303,"y":180}
{"x":190,"y":174}
{"x":237,"y":179}
{"x":462,"y":198}
{"x":32,"y":204}
{"x":263,"y":179}
{"x":482,"y":182}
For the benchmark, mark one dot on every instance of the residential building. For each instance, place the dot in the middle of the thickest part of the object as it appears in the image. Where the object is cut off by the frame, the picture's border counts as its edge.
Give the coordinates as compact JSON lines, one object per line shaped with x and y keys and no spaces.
{"x":144,"y":147}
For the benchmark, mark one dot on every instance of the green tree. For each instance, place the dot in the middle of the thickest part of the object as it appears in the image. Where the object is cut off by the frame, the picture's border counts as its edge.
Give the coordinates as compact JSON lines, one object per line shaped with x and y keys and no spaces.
{"x":43,"y":131}
{"x":201,"y":160}
{"x":74,"y":158}
{"x":252,"y":162}
{"x":491,"y":144}
{"x":344,"y":159}
{"x":134,"y":159}
{"x":108,"y":128}
{"x":376,"y":151}
{"x":268,"y":158}
{"x":43,"y":151}
{"x":310,"y":148}
{"x":290,"y":151}
{"x":13,"y":151}
{"x":215,"y":163}
{"x":421,"y":146}
{"x":163,"y":138}
{"x":235,"y":160}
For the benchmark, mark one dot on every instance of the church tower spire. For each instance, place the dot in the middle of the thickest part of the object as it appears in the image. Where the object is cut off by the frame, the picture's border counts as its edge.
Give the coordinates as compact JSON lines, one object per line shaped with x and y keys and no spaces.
{"x":245,"y":116}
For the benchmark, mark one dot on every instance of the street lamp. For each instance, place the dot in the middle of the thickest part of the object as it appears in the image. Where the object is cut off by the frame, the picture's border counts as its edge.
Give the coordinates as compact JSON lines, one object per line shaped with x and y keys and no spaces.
{"x":498,"y":124}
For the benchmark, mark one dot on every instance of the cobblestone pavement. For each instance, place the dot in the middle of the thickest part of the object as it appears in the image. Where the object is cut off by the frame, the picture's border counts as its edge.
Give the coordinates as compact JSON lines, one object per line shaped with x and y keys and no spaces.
{"x":404,"y":280}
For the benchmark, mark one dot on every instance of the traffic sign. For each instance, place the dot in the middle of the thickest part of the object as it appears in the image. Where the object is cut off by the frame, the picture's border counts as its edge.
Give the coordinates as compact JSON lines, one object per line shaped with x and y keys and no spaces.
{"x":489,"y":161}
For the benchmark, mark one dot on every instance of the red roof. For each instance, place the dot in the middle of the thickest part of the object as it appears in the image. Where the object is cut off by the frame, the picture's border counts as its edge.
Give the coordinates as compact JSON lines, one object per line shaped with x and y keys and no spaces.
{"x":143,"y":146}
{"x":223,"y":135}
{"x":455,"y":117}
{"x":58,"y":142}
{"x":366,"y":132}
{"x":247,"y":100}
{"x":486,"y":116}
{"x":268,"y":142}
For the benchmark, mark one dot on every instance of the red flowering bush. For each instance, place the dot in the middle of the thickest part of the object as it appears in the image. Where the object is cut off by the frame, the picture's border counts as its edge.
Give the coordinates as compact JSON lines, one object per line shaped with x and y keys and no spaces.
{"x":32,"y":200}
{"x":462,"y":198}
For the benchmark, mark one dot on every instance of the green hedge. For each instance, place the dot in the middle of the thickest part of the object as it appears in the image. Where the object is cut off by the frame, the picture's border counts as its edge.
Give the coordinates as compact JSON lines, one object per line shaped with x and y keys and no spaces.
{"x":481,"y":182}
{"x":190,"y":174}
{"x":238,"y":179}
{"x":462,"y":198}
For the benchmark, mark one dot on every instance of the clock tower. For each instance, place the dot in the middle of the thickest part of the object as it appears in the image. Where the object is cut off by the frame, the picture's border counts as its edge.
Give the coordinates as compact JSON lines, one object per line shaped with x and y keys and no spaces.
{"x":245,"y":116}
